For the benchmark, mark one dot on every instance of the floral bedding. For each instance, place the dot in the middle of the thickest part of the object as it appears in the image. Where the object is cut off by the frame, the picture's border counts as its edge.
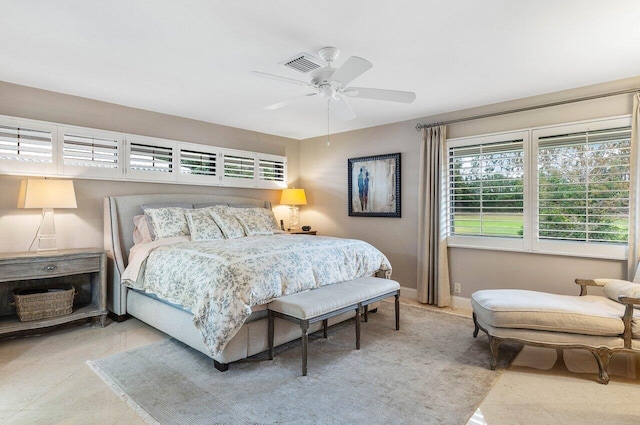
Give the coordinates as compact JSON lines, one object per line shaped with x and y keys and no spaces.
{"x":220,"y":280}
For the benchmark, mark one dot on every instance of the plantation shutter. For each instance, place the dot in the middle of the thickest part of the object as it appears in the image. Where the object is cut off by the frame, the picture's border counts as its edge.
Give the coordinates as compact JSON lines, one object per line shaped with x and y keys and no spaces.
{"x":271,"y":171}
{"x":194,"y":162}
{"x":486,"y":189}
{"x":583,"y":186}
{"x":151,"y":158}
{"x":239,"y":169}
{"x":26,"y":147}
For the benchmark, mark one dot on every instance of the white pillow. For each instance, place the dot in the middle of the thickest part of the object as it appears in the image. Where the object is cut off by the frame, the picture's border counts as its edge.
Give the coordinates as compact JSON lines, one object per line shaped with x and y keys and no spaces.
{"x":226,"y":221}
{"x":615,"y":288}
{"x":256,"y":221}
{"x":202,"y":226}
{"x":141,"y":233}
{"x":167,"y":222}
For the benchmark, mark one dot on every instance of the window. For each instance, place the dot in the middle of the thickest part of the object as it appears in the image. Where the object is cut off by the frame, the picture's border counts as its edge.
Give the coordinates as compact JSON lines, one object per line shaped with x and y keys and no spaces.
{"x":150,"y":159}
{"x":198,"y":164}
{"x":561,"y":189}
{"x":26,"y":147}
{"x":271,"y":169}
{"x":583,"y":187}
{"x":239,"y":169}
{"x":37,"y":148}
{"x":91,"y":153}
{"x":486,"y":189}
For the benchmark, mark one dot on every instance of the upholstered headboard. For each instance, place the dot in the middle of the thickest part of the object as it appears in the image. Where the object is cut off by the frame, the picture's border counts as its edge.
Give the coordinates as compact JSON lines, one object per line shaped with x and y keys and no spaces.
{"x":118,"y":231}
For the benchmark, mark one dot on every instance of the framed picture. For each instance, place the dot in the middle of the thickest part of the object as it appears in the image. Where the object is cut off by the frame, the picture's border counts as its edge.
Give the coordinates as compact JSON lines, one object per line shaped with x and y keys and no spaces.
{"x":374,"y":186}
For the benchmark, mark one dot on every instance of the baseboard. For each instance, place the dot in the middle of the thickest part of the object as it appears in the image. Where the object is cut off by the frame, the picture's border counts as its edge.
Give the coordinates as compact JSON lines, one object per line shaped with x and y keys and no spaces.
{"x":410,"y":293}
{"x":459,"y":304}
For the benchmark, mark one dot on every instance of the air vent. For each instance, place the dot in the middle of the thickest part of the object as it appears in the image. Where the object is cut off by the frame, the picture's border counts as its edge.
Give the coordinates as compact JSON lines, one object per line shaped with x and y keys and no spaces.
{"x":304,"y":63}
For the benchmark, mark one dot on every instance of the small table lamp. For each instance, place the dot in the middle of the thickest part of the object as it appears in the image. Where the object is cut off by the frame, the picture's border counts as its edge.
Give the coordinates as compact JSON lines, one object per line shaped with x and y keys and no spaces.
{"x":47,"y":194}
{"x":293,"y":197}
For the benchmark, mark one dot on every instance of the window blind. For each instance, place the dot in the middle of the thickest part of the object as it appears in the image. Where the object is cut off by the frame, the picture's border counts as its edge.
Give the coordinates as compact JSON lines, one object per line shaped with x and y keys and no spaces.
{"x":583,"y":186}
{"x":239,"y":167}
{"x":151,"y":158}
{"x":198,"y":163}
{"x":486,"y":189}
{"x":90,"y":151}
{"x":271,"y":170}
{"x":26,"y":144}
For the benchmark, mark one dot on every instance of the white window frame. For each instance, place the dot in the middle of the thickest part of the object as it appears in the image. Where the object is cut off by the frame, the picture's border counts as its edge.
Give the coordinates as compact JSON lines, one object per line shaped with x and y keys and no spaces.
{"x":239,"y":181}
{"x":530,"y":241}
{"x":73,"y":170}
{"x":491,"y":242}
{"x":57,"y":168}
{"x":25,"y":167}
{"x":601,"y":249}
{"x":151,"y":175}
{"x":271,"y":184}
{"x":209,"y":179}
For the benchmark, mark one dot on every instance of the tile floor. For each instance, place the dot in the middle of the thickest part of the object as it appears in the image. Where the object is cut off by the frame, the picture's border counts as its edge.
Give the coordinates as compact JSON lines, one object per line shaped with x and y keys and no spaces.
{"x":45,"y":380}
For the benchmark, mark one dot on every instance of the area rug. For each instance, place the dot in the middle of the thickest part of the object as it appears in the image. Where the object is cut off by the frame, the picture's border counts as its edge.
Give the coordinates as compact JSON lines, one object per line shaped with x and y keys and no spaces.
{"x":431,"y":371}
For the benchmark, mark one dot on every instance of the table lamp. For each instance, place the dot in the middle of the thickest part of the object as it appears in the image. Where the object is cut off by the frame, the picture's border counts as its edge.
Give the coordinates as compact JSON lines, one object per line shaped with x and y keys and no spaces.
{"x":47,"y":194}
{"x":293,"y":197}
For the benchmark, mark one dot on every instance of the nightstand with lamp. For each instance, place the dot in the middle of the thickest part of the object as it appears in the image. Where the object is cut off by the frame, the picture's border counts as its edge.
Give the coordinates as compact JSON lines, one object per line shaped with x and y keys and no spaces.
{"x":294,"y":197}
{"x":51,"y":287}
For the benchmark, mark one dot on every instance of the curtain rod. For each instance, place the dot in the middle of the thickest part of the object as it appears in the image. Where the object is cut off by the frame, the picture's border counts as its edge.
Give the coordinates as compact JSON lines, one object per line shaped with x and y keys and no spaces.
{"x":419,"y":126}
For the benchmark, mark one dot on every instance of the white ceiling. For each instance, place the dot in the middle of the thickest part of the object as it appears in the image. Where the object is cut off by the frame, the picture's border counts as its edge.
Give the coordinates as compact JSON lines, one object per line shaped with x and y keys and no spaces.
{"x":193,"y":58}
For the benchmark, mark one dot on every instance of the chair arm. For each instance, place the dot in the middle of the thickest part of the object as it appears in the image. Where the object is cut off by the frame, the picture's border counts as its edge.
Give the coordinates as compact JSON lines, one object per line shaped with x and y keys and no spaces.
{"x":629,"y":302}
{"x":589,"y":282}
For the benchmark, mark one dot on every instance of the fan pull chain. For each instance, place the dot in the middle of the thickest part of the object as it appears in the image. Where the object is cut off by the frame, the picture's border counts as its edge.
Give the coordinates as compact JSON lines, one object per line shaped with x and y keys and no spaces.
{"x":328,"y":142}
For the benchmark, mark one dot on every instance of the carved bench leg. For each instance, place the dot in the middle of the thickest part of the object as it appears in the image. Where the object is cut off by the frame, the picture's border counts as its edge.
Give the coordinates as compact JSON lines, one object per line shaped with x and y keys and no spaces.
{"x":603,"y":355}
{"x":494,"y":344}
{"x":475,"y":323}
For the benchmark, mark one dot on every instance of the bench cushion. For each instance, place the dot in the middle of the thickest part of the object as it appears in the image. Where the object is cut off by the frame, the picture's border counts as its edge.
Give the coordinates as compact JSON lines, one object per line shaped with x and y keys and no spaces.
{"x":316,"y":302}
{"x":521,"y":309}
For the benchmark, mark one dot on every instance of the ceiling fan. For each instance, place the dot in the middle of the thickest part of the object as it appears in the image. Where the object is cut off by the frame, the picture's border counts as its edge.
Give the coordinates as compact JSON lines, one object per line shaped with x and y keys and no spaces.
{"x":333,"y":84}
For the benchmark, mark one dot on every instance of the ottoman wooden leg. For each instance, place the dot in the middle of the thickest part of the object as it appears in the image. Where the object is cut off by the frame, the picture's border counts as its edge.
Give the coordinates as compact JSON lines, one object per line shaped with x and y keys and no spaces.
{"x":304,"y":325}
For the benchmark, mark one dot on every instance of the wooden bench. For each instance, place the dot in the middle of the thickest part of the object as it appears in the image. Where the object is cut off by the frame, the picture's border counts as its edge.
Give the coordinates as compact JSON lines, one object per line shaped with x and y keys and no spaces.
{"x":322,"y":303}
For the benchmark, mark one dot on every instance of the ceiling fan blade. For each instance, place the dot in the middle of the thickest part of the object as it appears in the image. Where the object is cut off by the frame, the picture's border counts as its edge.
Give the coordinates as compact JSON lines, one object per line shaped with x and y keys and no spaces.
{"x":350,"y":70}
{"x":381,"y":94}
{"x":282,"y":79}
{"x":341,"y":109}
{"x":288,"y":102}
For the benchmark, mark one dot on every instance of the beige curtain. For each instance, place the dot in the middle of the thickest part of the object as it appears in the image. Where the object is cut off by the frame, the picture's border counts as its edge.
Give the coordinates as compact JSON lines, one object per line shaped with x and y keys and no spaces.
{"x":634,"y":192}
{"x":433,"y":262}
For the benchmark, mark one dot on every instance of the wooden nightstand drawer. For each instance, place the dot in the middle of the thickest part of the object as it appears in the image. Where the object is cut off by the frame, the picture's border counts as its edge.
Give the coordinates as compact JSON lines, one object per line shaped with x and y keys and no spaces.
{"x":35,"y":268}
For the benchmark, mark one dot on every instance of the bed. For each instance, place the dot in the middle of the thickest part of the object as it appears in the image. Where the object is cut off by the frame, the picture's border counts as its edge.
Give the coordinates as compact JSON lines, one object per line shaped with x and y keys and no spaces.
{"x":230,"y":280}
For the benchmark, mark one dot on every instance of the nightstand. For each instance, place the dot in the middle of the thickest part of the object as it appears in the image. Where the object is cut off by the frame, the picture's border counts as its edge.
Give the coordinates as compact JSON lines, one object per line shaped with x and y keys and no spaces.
{"x":302,"y":232}
{"x":85,"y":269}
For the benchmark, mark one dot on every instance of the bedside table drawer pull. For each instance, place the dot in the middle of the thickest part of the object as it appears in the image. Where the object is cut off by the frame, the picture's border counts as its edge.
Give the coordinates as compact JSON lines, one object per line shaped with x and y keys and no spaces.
{"x":50,"y":267}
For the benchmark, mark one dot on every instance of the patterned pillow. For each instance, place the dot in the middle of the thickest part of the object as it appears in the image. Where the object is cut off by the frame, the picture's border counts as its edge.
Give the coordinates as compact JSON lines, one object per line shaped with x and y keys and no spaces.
{"x":202,"y":226}
{"x":256,"y":221}
{"x":167,"y":222}
{"x":224,"y":218}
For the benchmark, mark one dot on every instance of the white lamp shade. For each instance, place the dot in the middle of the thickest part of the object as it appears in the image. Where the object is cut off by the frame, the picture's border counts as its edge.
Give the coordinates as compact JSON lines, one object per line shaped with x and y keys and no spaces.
{"x":39,"y":193}
{"x":293,"y":197}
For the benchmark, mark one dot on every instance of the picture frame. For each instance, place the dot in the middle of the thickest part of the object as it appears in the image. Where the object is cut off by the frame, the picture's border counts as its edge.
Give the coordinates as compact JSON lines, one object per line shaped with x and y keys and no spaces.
{"x":374,"y":186}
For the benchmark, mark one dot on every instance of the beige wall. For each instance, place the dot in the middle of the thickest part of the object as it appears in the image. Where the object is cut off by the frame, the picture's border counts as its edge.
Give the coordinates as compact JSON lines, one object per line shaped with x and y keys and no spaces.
{"x":324,"y":176}
{"x":82,"y":227}
{"x":322,"y":171}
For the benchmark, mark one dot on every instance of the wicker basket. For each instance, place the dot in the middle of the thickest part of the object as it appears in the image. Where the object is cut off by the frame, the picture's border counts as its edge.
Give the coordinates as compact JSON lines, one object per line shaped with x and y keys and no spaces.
{"x":42,"y":303}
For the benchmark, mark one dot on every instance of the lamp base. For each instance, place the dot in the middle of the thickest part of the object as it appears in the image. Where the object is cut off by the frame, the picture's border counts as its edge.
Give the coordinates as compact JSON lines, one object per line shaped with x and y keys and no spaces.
{"x":294,"y":217}
{"x":47,"y":233}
